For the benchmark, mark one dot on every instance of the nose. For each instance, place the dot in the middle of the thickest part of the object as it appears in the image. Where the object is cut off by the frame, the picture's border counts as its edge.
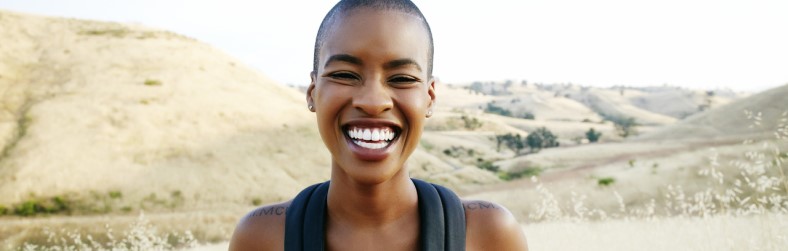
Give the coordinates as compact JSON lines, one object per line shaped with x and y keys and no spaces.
{"x":373,"y":98}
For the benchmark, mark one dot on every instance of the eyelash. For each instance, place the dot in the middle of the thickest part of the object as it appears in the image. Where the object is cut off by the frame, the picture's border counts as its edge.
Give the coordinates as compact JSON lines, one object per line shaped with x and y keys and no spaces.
{"x":344,"y":76}
{"x":403,"y":79}
{"x":399,"y":79}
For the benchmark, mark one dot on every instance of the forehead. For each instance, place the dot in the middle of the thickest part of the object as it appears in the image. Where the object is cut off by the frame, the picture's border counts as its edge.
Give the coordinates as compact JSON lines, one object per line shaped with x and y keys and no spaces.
{"x":376,"y":34}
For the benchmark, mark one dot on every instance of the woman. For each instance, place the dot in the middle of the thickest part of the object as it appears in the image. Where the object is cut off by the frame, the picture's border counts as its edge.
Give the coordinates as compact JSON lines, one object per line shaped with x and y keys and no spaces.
{"x":372,"y":90}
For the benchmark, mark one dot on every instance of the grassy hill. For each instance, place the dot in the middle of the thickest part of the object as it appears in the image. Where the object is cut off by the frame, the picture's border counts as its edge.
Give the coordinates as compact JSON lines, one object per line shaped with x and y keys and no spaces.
{"x":111,"y":116}
{"x":108,"y":118}
{"x":91,"y":107}
{"x":761,"y":113}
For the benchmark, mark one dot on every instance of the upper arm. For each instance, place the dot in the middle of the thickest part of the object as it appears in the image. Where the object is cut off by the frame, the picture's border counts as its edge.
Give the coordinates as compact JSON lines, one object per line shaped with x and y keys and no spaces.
{"x":261,"y":229}
{"x":490,"y":226}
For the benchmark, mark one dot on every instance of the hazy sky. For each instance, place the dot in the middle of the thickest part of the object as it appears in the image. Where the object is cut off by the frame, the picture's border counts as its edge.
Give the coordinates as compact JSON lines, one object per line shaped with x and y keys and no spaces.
{"x":740,"y":44}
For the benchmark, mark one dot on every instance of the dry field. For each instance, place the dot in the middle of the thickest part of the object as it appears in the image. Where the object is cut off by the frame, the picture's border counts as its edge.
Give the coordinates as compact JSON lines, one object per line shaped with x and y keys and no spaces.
{"x":105,"y":144}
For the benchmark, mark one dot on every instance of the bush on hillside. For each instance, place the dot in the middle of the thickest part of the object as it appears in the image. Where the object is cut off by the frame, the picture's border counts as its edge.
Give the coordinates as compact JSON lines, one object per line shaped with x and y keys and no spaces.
{"x":541,"y":138}
{"x":592,"y":135}
{"x":512,"y":141}
{"x":471,"y":123}
{"x":491,"y":108}
{"x":625,"y":126}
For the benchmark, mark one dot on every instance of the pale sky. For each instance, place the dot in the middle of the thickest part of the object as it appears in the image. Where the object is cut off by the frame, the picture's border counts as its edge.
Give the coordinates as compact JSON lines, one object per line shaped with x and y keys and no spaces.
{"x":742,"y":45}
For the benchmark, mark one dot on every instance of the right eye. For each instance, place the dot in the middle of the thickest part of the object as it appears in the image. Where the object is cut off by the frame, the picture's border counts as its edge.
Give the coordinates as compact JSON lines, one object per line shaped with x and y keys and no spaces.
{"x":343,"y":76}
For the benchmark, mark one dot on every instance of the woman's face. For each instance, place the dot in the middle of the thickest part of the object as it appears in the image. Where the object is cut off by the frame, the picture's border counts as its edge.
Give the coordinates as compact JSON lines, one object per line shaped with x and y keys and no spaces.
{"x":372,"y":92}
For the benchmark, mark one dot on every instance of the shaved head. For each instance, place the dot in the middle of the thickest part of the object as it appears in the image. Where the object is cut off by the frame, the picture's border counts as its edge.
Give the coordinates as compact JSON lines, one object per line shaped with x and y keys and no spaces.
{"x":344,"y":7}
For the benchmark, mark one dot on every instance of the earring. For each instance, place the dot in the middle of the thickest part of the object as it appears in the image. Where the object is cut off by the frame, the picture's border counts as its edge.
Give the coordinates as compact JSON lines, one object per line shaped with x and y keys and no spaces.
{"x":429,"y":113}
{"x":311,"y":108}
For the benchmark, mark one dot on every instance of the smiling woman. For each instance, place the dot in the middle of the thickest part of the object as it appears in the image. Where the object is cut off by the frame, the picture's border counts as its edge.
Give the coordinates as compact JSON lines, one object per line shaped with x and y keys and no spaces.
{"x":372,"y":90}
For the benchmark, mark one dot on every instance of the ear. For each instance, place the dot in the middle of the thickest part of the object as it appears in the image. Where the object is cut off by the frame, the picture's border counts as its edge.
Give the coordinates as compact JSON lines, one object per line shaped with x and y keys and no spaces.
{"x":431,"y":93}
{"x":310,"y":101}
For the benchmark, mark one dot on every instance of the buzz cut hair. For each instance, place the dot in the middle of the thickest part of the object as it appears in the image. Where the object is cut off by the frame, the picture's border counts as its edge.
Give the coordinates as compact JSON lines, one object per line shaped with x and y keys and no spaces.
{"x":345,"y":6}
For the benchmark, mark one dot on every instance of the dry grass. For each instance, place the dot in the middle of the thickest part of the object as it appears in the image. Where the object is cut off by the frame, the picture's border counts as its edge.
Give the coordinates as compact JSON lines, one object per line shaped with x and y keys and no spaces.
{"x":714,"y":233}
{"x":197,"y":131}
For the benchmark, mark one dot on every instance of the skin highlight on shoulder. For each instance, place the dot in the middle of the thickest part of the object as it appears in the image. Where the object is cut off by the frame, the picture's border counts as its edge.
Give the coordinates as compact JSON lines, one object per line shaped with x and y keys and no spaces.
{"x":261,"y":229}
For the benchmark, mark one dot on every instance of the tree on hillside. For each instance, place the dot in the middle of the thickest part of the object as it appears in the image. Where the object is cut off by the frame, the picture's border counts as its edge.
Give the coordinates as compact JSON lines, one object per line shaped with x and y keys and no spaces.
{"x":500,"y":140}
{"x":541,"y":138}
{"x":491,"y":108}
{"x":477,"y":87}
{"x":592,"y":135}
{"x":512,"y":141}
{"x":516,"y":144}
{"x":707,"y":101}
{"x":625,"y":127}
{"x":471,"y":123}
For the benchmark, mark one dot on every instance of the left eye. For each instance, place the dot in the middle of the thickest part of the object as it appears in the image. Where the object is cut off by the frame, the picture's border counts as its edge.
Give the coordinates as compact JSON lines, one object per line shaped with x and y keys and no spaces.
{"x":403,"y":79}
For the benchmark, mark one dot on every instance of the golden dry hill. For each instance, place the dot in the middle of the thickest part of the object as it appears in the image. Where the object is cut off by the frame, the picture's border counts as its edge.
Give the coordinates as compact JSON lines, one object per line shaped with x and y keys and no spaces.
{"x":93,"y":111}
{"x":759,"y":114}
{"x":95,"y":107}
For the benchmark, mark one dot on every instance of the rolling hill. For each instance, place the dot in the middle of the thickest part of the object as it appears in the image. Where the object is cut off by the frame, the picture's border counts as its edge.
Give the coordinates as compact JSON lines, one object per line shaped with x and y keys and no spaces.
{"x":761,"y":113}
{"x":91,"y":108}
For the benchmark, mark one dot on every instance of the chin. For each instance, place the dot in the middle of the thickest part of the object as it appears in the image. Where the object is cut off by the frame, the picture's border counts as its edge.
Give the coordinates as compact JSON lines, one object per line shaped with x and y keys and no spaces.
{"x":369,"y":172}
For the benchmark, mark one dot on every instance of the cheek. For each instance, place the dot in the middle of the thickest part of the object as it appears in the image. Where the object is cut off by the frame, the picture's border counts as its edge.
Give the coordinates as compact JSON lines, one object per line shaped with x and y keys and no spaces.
{"x":329,"y":100}
{"x":414,"y":106}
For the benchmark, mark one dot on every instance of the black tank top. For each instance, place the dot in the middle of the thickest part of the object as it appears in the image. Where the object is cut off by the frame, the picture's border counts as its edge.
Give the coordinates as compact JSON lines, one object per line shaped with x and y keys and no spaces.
{"x":441,"y":219}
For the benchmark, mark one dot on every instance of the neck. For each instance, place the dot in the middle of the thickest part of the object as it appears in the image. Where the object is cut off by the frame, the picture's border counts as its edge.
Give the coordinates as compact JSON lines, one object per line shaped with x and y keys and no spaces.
{"x":371,"y":205}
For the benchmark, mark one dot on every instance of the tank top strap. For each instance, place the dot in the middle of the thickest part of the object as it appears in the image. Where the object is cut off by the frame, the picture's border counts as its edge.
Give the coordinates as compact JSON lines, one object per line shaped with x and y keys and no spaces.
{"x":454,"y":218}
{"x":305,"y":219}
{"x":441,"y":219}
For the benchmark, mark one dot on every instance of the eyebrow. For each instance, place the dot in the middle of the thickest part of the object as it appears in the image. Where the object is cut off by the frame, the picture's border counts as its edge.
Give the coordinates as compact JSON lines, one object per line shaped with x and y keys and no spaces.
{"x":357,"y":61}
{"x":401,"y":62}
{"x":344,"y":58}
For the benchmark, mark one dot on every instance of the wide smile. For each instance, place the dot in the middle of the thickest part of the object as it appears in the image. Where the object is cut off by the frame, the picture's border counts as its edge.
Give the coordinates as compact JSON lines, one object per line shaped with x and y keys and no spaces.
{"x":371,"y":141}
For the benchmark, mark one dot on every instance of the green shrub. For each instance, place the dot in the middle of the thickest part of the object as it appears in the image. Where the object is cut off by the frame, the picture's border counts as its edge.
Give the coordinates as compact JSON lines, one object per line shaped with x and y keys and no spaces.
{"x":471,"y":123}
{"x":257,"y":202}
{"x":497,"y":110}
{"x":541,"y":138}
{"x":511,"y":141}
{"x":527,"y":172}
{"x":106,"y":32}
{"x":115,"y":194}
{"x":152,"y":82}
{"x":28,"y":208}
{"x":625,"y":127}
{"x":607,"y":181}
{"x":592,"y":135}
{"x":486,"y":165}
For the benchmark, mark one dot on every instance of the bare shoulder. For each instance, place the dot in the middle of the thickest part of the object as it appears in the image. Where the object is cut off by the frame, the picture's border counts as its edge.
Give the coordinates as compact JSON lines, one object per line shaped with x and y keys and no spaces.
{"x":490,"y":226}
{"x":261,"y":229}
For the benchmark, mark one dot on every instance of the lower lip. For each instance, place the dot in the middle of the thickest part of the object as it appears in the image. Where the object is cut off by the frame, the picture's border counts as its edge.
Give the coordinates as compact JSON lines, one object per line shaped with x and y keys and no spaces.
{"x":367,"y":154}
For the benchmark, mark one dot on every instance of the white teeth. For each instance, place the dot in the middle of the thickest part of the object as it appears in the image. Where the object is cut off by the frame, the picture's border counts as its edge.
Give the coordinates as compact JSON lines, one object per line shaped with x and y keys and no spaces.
{"x":370,"y":145}
{"x":375,"y":134}
{"x":371,"y":134}
{"x":367,"y":135}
